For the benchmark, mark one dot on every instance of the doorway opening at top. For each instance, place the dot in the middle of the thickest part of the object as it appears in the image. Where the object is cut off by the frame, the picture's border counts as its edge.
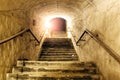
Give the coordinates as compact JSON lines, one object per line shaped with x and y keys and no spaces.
{"x":58,"y":27}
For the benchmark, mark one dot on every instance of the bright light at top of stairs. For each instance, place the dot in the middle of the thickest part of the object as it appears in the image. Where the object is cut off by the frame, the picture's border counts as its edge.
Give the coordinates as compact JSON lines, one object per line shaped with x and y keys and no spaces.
{"x":50,"y":17}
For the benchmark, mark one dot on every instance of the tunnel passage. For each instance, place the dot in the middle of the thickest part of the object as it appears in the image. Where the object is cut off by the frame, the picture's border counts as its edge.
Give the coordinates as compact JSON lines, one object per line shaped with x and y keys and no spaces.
{"x":99,"y":16}
{"x":58,"y":27}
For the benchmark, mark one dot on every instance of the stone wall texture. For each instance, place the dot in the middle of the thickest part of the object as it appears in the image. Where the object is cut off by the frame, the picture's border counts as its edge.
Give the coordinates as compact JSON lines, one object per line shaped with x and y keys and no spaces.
{"x":101,"y":18}
{"x":23,"y":46}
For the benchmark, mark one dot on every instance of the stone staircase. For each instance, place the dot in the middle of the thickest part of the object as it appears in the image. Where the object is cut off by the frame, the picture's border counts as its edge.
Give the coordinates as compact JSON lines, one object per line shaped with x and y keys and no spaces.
{"x":58,"y":49}
{"x":57,"y":61}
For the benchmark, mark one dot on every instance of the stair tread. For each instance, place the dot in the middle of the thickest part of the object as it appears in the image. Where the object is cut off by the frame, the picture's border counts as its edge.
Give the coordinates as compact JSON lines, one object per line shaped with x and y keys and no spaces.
{"x":53,"y":68}
{"x":69,"y":53}
{"x":47,"y":54}
{"x":56,"y":56}
{"x":54,"y":78}
{"x":54,"y":74}
{"x":58,"y":63}
{"x":59,"y":51}
{"x":58,"y":59}
{"x":90,"y":70}
{"x":60,"y":67}
{"x":65,"y":49}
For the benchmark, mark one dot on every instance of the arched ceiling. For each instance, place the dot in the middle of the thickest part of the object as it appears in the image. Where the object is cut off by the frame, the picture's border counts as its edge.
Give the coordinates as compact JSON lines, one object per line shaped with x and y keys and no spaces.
{"x":71,"y":7}
{"x":39,"y":10}
{"x":68,"y":8}
{"x":28,"y":4}
{"x":43,"y":8}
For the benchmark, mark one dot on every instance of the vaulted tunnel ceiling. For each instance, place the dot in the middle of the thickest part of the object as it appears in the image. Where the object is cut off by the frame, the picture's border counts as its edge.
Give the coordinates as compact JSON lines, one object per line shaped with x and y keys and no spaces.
{"x":69,"y":7}
{"x":28,"y":4}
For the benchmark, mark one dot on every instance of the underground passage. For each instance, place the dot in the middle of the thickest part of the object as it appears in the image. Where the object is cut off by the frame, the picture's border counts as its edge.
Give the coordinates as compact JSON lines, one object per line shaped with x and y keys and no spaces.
{"x":59,"y":40}
{"x":57,"y":27}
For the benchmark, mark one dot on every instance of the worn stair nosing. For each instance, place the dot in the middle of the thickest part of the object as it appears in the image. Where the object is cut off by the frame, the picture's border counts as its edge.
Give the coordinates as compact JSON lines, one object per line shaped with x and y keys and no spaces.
{"x":54,"y":67}
{"x":58,"y":56}
{"x":53,"y":74}
{"x":58,"y":59}
{"x":35,"y":63}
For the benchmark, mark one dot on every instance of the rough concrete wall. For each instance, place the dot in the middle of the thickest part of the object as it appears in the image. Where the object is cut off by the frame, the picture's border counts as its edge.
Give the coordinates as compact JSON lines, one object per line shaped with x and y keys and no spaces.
{"x":12,"y":22}
{"x":37,"y":23}
{"x":101,"y":17}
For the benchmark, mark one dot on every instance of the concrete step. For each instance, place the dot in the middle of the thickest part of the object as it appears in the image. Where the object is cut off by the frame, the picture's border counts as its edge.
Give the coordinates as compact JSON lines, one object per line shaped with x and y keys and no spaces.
{"x":49,"y":58}
{"x":57,"y":43}
{"x":51,"y":78}
{"x":56,"y":63}
{"x":57,"y":51}
{"x":58,"y":40}
{"x":58,"y":46}
{"x":58,"y":59}
{"x":56,"y":75}
{"x":89,"y":70}
{"x":58,"y":54}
